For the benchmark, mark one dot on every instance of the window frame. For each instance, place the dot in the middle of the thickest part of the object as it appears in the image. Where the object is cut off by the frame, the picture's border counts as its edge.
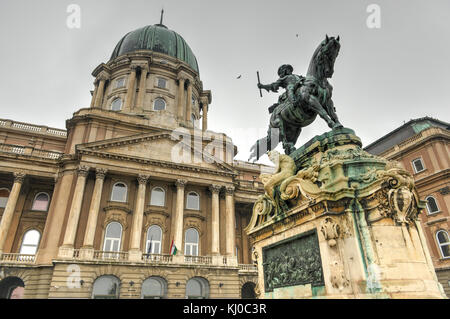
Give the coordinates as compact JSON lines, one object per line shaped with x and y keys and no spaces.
{"x":112,"y":192}
{"x":116,"y":296}
{"x":443,"y":244}
{"x":23,"y":238}
{"x":105,"y":238}
{"x":162,"y":282}
{"x":198,"y":202}
{"x":147,"y":240}
{"x":192,"y":245}
{"x":164,"y":196}
{"x":204,"y":287}
{"x":163,"y":79}
{"x":34,"y":200}
{"x":124,"y":78}
{"x":414,"y":166}
{"x":428,"y":206}
{"x":121,"y":104}
{"x":162,"y":99}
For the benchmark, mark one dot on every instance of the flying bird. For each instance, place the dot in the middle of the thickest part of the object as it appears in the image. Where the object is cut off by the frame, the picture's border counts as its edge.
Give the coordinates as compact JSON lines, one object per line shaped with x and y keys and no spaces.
{"x":239,"y":77}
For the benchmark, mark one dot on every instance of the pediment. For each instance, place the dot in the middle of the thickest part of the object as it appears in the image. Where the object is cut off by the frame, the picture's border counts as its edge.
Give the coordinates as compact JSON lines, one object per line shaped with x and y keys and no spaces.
{"x":157,"y":147}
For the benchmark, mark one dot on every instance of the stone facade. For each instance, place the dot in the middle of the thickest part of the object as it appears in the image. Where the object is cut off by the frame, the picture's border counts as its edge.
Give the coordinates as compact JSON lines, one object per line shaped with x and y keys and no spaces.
{"x":424,"y":143}
{"x":132,"y":162}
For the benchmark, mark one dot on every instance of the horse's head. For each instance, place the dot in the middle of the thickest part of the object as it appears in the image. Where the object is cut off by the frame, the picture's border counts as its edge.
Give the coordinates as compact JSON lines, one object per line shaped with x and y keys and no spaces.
{"x":322,"y":62}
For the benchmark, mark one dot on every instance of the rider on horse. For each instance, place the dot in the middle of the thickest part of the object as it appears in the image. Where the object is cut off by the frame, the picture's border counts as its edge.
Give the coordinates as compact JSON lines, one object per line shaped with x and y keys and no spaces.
{"x":288,"y":81}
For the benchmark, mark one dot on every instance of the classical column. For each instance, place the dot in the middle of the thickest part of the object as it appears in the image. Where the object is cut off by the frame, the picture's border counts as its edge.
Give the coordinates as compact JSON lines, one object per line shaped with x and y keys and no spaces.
{"x":215,"y":228}
{"x":94,"y":94}
{"x":88,"y":242}
{"x":179,"y":212}
{"x":205,"y":116}
{"x":230,"y":221}
{"x":10,"y":208}
{"x":130,"y":88}
{"x":189,"y":103}
{"x":135,"y":252}
{"x":100,"y":90}
{"x":181,"y":99}
{"x":142,"y":88}
{"x":75,"y":209}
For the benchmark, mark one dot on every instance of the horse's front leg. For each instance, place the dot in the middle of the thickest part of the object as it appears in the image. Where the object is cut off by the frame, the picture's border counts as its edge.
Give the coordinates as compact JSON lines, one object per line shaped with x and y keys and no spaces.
{"x":315,"y":105}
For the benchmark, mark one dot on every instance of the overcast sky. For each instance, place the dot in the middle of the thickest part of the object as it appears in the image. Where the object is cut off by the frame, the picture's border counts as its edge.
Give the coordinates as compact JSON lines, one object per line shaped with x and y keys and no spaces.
{"x":383,"y":76}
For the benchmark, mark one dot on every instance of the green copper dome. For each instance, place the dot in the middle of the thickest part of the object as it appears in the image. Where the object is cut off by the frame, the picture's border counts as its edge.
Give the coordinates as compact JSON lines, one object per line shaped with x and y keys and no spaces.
{"x":159,"y":39}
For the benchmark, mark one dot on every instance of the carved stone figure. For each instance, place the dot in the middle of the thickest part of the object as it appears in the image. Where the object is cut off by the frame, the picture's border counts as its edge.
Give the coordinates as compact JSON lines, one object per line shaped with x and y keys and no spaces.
{"x":304,"y":99}
{"x":285,"y":168}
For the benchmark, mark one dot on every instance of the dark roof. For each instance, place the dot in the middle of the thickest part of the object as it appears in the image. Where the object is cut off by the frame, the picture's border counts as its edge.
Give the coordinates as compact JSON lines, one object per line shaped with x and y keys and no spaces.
{"x":156,"y":38}
{"x":404,"y":132}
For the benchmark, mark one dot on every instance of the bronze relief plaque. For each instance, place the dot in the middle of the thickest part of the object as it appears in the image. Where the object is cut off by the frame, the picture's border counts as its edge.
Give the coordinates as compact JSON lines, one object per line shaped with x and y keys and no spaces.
{"x":293,"y":261}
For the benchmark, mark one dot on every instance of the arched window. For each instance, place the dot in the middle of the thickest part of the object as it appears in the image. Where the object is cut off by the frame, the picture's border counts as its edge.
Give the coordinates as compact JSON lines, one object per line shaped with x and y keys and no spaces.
{"x":432,"y":206}
{"x":4,"y":195}
{"x":119,"y":192}
{"x":158,"y":197}
{"x":30,"y":242}
{"x":159,"y":104}
{"x":11,"y":288}
{"x":113,"y":237}
{"x":444,"y":243}
{"x":191,"y":242}
{"x":197,"y":288}
{"x":248,"y":291}
{"x":154,"y":288}
{"x":106,"y":287}
{"x":41,"y":202}
{"x":154,"y":236}
{"x":116,"y":105}
{"x":193,"y":201}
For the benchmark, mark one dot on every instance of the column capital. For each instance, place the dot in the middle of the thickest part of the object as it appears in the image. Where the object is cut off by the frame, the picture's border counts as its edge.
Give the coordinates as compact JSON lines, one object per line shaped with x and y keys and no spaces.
{"x":102,"y":76}
{"x":229,"y":190}
{"x":83,"y":170}
{"x":100,"y":173}
{"x":180,"y":183}
{"x":142,"y":179}
{"x":134,"y":67}
{"x":214,"y":188}
{"x":19,"y":177}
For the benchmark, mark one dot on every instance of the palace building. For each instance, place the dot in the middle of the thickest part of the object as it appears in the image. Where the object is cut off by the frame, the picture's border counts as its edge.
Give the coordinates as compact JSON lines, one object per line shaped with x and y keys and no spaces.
{"x":110,"y":207}
{"x":421,"y":147}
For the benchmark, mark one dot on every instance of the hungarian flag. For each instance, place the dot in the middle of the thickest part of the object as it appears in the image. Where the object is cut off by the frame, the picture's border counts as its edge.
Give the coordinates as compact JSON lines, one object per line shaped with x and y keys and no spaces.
{"x":173,"y":249}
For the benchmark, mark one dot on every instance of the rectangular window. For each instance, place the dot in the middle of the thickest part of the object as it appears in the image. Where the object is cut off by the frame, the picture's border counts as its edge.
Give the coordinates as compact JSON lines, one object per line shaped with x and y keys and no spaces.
{"x":418,"y":165}
{"x":161,"y":83}
{"x":120,"y":83}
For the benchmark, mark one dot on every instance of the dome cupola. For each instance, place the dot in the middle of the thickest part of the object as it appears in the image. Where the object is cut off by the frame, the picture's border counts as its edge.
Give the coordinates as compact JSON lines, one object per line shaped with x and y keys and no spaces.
{"x":157,"y":38}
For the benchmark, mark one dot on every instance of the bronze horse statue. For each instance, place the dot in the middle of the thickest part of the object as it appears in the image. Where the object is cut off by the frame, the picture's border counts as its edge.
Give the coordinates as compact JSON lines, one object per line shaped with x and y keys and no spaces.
{"x":305,"y":98}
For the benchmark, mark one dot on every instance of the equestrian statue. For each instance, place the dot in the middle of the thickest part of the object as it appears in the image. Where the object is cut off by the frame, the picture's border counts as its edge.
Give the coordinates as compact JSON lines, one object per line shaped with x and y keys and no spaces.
{"x":304,"y":99}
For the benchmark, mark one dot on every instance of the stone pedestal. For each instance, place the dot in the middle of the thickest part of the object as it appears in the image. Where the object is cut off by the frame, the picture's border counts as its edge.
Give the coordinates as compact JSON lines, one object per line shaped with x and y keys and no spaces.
{"x":345,"y":225}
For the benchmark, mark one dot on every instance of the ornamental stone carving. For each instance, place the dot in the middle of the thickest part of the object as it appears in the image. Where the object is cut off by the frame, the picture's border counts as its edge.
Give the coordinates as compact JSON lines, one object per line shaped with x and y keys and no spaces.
{"x":142,"y":179}
{"x":330,"y":230}
{"x":83,"y":170}
{"x":337,"y":277}
{"x":19,"y":177}
{"x":100,"y":173}
{"x":215,"y":188}
{"x":180,"y":183}
{"x":229,"y":190}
